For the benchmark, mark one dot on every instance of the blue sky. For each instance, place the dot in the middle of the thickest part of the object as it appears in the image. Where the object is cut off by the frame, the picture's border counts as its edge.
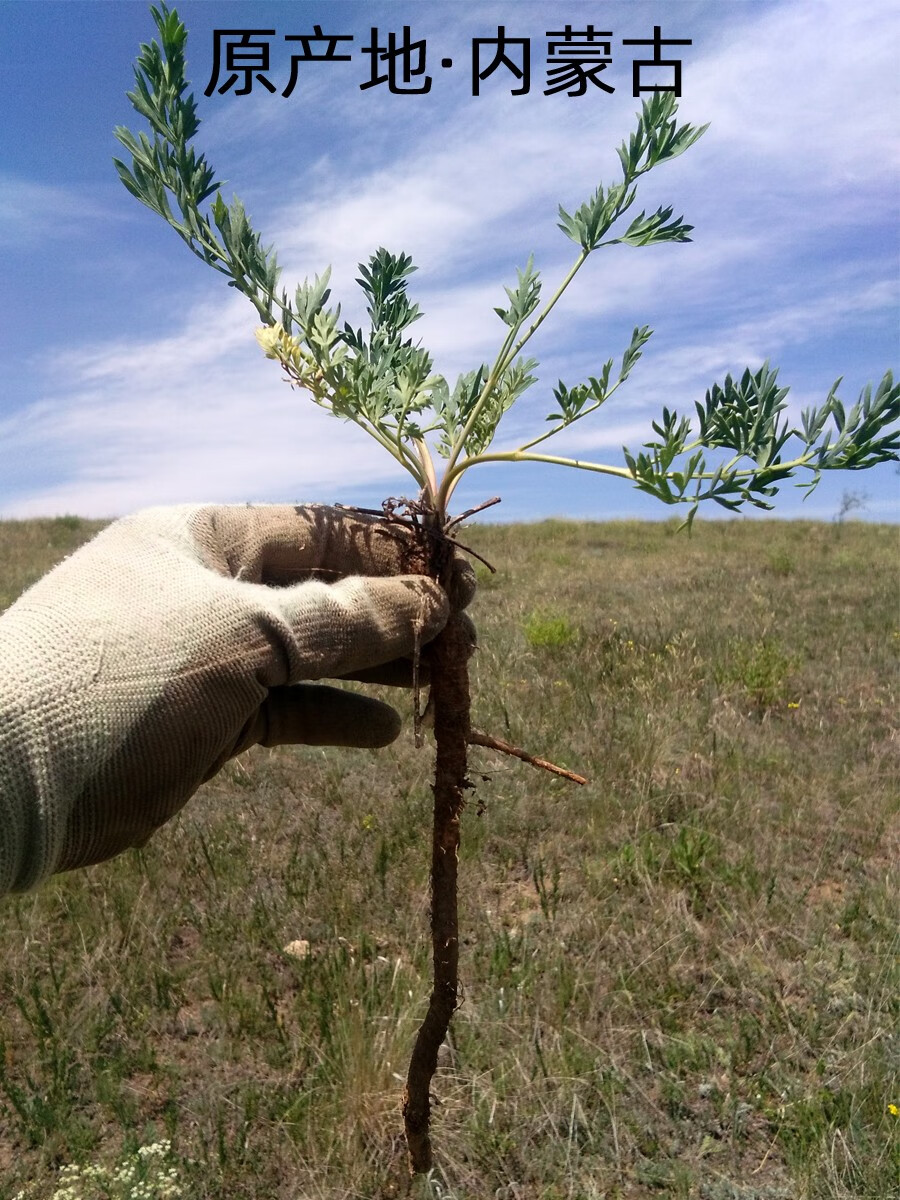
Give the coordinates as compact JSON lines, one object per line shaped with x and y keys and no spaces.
{"x":130,"y":375}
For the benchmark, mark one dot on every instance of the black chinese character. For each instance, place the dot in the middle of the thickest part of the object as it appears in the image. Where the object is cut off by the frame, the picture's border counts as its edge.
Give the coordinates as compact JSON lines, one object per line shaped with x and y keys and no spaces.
{"x":657,"y":42}
{"x":501,"y":42}
{"x":309,"y":55}
{"x":243,"y":57}
{"x":390,"y":55}
{"x":577,"y":59}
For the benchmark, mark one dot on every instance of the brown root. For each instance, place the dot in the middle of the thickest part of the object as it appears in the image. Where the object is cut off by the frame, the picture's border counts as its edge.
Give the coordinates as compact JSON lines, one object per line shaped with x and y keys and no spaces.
{"x":450,"y":694}
{"x":450,"y":706}
{"x":477,"y":738}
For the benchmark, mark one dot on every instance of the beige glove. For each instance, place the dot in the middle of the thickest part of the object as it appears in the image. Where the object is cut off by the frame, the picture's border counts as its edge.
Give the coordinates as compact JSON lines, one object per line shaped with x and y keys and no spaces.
{"x":138,"y":666}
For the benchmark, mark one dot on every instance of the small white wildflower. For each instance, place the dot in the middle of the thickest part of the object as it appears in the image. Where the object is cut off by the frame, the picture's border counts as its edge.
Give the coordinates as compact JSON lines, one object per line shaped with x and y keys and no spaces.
{"x":155,"y":1150}
{"x":298,"y":948}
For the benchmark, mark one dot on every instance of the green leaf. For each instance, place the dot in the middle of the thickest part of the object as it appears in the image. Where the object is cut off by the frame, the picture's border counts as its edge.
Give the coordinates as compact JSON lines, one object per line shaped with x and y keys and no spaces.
{"x":640,"y":335}
{"x":653,"y":230}
{"x":524,"y":298}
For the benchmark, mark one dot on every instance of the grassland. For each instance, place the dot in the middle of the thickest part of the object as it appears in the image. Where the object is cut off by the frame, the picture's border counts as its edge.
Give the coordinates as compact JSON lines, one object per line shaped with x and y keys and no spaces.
{"x":680,"y":980}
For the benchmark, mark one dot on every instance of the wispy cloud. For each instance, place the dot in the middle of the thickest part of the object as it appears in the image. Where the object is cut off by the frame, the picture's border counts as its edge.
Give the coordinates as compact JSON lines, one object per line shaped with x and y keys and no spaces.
{"x":33,"y":212}
{"x":800,"y":89}
{"x":216,"y":427}
{"x":789,"y":124}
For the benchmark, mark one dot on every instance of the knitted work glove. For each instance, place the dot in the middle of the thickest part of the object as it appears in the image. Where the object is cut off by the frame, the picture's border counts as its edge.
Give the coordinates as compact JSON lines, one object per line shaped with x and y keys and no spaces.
{"x":176,"y":639}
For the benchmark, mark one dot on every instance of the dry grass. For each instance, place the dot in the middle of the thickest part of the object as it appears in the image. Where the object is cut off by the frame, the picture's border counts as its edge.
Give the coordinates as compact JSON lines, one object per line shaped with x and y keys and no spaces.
{"x":680,"y":980}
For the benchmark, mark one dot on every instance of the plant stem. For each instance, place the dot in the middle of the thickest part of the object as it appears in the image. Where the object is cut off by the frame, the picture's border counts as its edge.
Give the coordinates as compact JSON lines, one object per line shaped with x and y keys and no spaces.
{"x":548,"y":308}
{"x":450,"y":476}
{"x":429,"y":483}
{"x":559,"y":428}
{"x":508,"y":352}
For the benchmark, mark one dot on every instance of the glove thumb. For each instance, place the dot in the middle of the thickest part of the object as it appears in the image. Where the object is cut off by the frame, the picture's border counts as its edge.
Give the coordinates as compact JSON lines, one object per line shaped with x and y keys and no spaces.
{"x":317,"y":715}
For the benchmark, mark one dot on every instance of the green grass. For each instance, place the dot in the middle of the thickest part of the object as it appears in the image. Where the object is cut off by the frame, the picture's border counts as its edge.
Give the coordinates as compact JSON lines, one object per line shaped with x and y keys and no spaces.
{"x":549,"y":631}
{"x":680,"y":980}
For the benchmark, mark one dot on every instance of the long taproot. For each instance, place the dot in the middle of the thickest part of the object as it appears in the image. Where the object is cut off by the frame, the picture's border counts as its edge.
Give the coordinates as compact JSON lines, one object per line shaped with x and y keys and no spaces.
{"x":450,"y":699}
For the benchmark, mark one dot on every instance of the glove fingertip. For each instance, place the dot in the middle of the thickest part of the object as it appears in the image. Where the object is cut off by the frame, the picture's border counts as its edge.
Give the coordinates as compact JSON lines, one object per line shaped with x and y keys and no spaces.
{"x":433,"y":608}
{"x":462,"y":583}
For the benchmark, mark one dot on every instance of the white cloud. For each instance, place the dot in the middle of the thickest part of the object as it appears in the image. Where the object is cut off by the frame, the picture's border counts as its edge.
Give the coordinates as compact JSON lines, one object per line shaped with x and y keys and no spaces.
{"x":806,"y":88}
{"x":33,"y":212}
{"x":799,"y":100}
{"x":200,"y":416}
{"x":797,"y":142}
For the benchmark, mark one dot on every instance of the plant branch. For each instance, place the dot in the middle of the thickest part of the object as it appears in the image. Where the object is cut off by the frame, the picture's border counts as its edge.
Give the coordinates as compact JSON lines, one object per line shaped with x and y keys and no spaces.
{"x":478,"y":738}
{"x":584,"y":413}
{"x":470,"y":512}
{"x":430,"y":480}
{"x":451,"y":476}
{"x":548,"y":308}
{"x":394,"y":447}
{"x":508,"y":351}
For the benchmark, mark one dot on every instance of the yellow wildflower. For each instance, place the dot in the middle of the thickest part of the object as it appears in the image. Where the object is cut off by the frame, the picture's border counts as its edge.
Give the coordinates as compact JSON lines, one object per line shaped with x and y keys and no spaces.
{"x":269,"y":338}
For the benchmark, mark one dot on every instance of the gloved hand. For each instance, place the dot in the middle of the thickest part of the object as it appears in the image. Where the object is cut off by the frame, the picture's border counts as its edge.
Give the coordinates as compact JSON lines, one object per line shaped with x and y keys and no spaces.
{"x":176,"y":639}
